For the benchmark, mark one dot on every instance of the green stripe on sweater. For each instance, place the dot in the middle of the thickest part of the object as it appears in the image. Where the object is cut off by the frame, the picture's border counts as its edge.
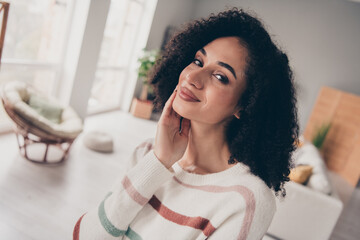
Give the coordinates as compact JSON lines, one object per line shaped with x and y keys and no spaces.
{"x":132,"y":235}
{"x":105,"y":222}
{"x":110,"y":228}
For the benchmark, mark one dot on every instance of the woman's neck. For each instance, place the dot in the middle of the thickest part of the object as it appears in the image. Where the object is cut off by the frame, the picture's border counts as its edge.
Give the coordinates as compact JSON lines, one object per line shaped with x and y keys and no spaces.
{"x":207,"y":150}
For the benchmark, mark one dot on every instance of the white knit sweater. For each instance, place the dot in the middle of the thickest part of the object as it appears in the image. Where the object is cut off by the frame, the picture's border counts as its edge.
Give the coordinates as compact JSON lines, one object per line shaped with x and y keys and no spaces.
{"x":151,"y":202}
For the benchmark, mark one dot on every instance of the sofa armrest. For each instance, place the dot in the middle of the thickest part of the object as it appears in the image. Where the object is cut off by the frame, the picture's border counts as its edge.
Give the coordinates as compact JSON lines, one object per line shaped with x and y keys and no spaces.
{"x":305,"y":214}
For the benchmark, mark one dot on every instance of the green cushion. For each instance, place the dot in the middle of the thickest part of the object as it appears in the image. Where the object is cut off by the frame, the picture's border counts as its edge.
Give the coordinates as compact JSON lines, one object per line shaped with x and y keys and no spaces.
{"x":45,"y":108}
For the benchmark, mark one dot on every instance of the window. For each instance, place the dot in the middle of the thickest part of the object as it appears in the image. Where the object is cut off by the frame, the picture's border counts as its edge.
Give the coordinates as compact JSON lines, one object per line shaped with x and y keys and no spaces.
{"x":34,"y":43}
{"x":118,"y":47}
{"x":38,"y":37}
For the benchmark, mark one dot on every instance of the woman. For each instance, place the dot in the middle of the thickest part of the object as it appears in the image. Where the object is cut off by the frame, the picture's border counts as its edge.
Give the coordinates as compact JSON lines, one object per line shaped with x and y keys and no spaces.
{"x":223,"y":143}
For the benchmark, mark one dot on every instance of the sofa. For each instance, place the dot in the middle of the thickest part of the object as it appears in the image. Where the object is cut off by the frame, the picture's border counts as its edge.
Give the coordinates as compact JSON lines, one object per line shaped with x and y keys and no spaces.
{"x":309,"y":213}
{"x":305,"y":214}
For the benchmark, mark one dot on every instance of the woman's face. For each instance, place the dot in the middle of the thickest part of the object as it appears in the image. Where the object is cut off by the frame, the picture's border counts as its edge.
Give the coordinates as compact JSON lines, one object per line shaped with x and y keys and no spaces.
{"x":210,"y":87}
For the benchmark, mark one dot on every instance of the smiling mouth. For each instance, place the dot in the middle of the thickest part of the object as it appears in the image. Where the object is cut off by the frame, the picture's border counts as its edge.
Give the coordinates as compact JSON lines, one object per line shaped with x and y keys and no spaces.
{"x":187,"y":95}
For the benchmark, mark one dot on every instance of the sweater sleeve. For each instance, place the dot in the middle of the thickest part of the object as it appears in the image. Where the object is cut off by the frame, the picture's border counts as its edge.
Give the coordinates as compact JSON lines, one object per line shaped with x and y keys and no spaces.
{"x":114,"y":214}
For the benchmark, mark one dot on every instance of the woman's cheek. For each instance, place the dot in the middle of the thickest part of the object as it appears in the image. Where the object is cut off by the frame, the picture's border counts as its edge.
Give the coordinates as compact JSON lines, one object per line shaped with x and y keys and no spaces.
{"x":175,"y":105}
{"x":222,"y":98}
{"x":180,"y":108}
{"x":183,"y":73}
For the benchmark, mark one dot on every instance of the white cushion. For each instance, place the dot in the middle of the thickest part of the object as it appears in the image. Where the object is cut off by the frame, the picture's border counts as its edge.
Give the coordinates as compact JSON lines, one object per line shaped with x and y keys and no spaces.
{"x":309,"y":154}
{"x":98,"y":141}
{"x":45,"y":108}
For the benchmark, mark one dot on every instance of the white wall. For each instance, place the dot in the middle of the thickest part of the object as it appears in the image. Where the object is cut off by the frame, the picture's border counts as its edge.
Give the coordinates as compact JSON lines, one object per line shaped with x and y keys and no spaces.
{"x":321,"y":37}
{"x":169,"y":12}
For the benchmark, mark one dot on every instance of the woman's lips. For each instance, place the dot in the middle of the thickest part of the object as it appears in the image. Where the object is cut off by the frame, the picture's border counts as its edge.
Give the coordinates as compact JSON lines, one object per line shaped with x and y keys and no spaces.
{"x":187,"y":95}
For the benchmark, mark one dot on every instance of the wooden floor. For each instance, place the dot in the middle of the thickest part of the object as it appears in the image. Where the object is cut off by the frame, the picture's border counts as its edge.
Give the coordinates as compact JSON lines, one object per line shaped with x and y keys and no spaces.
{"x":40,"y":202}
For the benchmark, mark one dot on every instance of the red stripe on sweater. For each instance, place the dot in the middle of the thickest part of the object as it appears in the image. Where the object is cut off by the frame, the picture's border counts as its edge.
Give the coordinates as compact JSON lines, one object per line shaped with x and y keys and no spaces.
{"x":76,"y":232}
{"x":195,"y":222}
{"x":246,"y":193}
{"x":133,"y":193}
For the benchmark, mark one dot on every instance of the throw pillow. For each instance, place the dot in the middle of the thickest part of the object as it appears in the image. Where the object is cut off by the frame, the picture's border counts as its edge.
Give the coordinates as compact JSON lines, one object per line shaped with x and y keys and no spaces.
{"x":46,"y":108}
{"x":301,"y":173}
{"x":308,"y":154}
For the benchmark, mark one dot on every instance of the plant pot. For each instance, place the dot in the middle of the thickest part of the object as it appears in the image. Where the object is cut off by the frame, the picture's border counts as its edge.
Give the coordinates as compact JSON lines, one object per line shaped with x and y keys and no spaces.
{"x":141,"y":108}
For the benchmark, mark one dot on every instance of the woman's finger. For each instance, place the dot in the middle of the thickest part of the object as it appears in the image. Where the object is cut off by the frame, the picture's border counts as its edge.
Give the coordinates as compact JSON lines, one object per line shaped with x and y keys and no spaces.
{"x":185,"y":127}
{"x":168,"y":105}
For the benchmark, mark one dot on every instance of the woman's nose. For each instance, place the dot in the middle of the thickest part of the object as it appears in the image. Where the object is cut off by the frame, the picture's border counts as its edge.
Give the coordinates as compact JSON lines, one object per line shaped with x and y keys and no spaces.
{"x":195,"y":78}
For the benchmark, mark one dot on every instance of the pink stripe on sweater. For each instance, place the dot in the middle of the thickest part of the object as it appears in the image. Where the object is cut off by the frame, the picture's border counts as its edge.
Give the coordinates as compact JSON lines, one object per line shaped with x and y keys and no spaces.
{"x":133,"y":193}
{"x":200,"y":223}
{"x":244,"y":191}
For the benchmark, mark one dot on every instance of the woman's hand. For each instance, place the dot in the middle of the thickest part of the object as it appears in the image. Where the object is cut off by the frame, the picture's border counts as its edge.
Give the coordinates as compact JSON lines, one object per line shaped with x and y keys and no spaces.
{"x":171,"y":135}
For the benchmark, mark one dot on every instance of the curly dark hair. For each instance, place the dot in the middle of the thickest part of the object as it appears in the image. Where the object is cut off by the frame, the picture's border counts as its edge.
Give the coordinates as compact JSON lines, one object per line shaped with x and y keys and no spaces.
{"x":266,"y":134}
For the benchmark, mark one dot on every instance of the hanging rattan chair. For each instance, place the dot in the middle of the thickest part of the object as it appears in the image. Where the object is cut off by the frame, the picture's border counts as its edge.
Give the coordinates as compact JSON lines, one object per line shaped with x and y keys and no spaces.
{"x":33,"y":128}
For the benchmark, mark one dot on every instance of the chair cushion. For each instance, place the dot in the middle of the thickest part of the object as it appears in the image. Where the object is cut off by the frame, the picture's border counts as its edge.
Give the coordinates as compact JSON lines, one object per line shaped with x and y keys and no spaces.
{"x":49,"y":110}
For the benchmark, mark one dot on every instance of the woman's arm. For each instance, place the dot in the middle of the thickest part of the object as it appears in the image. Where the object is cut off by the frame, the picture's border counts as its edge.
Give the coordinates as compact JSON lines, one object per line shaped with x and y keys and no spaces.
{"x":112,"y":217}
{"x":149,"y":171}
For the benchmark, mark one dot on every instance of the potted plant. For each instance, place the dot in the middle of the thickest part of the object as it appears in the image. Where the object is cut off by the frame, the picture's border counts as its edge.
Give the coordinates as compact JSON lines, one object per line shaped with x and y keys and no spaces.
{"x":320,"y":135}
{"x":142,"y":107}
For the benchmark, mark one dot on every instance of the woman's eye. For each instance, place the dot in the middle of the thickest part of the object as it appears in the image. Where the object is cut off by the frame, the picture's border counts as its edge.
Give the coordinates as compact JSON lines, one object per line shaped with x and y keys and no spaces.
{"x":197,"y":62}
{"x":222,"y":78}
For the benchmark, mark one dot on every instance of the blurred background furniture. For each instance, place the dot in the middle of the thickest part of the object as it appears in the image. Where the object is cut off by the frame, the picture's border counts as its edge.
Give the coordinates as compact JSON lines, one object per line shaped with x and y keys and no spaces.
{"x":4,"y":12}
{"x":341,"y":148}
{"x":99,"y":141}
{"x":41,"y":123}
{"x":309,"y":214}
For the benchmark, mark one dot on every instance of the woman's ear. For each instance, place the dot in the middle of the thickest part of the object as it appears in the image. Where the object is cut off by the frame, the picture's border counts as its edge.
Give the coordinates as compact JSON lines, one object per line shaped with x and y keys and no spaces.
{"x":237,"y":112}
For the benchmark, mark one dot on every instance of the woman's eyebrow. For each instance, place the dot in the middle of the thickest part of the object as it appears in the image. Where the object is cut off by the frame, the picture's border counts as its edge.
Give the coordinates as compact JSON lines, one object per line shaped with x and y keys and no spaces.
{"x":228,"y":67}
{"x":222,"y":64}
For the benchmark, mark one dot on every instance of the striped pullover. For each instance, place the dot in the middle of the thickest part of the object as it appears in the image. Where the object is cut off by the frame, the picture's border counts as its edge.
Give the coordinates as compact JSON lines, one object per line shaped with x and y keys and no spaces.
{"x":151,"y":202}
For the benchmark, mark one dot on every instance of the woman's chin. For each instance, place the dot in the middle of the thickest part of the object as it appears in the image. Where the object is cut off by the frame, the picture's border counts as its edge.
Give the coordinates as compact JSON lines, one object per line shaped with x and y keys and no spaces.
{"x":180,"y":109}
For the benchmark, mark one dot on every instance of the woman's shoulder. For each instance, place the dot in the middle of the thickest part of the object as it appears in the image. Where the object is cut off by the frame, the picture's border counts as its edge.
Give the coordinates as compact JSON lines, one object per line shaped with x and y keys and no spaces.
{"x":255,"y":185}
{"x":260,"y":197}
